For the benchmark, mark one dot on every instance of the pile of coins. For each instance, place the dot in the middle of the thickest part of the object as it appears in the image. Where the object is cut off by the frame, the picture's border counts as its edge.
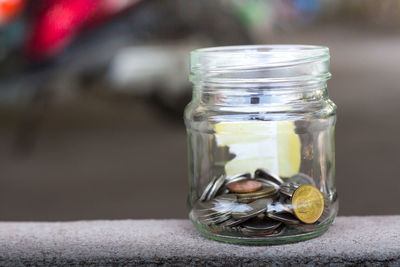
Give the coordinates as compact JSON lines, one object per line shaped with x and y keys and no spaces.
{"x":259,"y":205}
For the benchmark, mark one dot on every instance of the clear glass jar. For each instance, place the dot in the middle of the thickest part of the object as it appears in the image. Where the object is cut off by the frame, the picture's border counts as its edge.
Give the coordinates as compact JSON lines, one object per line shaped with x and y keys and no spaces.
{"x":260,"y":131}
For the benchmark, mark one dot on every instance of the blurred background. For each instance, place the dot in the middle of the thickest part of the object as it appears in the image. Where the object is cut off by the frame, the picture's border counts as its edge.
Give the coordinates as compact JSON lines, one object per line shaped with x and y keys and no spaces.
{"x":92,"y":94}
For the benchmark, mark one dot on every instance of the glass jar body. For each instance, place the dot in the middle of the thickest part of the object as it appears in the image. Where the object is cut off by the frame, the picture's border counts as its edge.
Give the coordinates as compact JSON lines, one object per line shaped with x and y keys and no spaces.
{"x":235,"y":131}
{"x":282,"y":137}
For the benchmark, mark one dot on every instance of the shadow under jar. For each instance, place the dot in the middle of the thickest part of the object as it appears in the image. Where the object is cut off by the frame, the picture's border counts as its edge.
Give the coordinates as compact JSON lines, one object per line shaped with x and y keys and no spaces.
{"x":260,"y":131}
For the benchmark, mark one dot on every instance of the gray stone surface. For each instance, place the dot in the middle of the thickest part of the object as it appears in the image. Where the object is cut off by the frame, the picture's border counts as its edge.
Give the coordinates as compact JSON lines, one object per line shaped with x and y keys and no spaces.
{"x":351,"y":240}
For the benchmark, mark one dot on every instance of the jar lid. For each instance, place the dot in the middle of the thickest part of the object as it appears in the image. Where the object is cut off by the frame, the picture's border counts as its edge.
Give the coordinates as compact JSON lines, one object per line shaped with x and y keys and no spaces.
{"x":260,"y":64}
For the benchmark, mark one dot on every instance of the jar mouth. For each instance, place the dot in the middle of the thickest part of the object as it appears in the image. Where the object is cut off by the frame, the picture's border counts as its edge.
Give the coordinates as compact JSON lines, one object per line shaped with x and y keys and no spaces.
{"x":260,"y":64}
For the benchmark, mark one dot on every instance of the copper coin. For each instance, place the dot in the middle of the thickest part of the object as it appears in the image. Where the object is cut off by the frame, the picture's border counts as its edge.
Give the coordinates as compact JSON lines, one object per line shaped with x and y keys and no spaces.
{"x":244,"y":186}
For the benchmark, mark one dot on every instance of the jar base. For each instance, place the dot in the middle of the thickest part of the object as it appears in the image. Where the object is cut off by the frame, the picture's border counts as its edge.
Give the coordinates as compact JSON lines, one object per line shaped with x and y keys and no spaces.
{"x":267,"y":240}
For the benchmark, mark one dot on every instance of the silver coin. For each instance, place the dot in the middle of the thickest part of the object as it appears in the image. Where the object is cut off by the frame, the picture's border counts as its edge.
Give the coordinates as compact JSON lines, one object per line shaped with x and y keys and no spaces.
{"x":209,"y":217}
{"x":261,"y":224}
{"x":203,"y":207}
{"x":272,"y":232}
{"x":248,"y":200}
{"x":216,"y":219}
{"x":284,"y":199}
{"x":207,"y":189}
{"x":232,"y":222}
{"x":222,"y":219}
{"x":257,"y":207}
{"x":223,"y":190}
{"x":279,"y":207}
{"x":277,"y":232}
{"x":288,"y":189}
{"x":286,"y":218}
{"x":286,"y":192}
{"x":265,"y":174}
{"x":215,"y":187}
{"x":210,"y":214}
{"x":289,"y":186}
{"x":300,"y":179}
{"x":225,"y":206}
{"x":237,"y":177}
{"x":268,"y":183}
{"x":252,"y":233}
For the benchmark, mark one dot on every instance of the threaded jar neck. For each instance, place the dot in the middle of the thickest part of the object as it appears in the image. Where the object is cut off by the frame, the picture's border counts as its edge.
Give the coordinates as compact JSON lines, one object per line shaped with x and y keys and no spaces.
{"x":267,"y":67}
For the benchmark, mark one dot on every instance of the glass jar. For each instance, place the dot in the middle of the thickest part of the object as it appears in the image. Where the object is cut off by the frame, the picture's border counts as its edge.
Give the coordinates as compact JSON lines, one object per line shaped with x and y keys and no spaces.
{"x":260,"y":132}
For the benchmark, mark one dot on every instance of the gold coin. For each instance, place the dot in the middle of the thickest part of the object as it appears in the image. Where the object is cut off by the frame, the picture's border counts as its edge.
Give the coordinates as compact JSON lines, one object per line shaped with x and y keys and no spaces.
{"x":308,"y":203}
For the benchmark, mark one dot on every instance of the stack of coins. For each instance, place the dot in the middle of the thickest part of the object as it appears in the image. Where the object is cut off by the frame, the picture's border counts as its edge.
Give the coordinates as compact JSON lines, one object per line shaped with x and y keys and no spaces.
{"x":259,"y":205}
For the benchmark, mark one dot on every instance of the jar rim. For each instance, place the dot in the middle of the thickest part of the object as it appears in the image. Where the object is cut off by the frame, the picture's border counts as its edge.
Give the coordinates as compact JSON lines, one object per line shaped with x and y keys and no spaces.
{"x":261,"y":63}
{"x":265,"y":49}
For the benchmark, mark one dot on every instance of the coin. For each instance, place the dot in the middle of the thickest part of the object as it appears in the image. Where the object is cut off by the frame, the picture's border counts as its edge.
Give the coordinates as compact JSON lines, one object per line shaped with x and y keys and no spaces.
{"x":212,"y":213}
{"x":286,"y":218}
{"x":227,"y":197}
{"x":254,"y":197}
{"x":266,"y":190}
{"x":308,"y":203}
{"x":207,"y":189}
{"x":238,"y":177}
{"x":202,"y":206}
{"x":279,"y":207}
{"x":257,"y":224}
{"x":248,"y":232}
{"x":216,"y":219}
{"x":271,"y":233}
{"x":264,"y":205}
{"x":257,"y":207}
{"x":289,"y":186}
{"x":232,"y":222}
{"x":300,"y":179}
{"x":264,"y":173}
{"x":231,"y":179}
{"x":209,"y":214}
{"x":287,"y":189}
{"x":224,"y":206}
{"x":215,"y":187}
{"x":244,"y":186}
{"x":286,"y":193}
{"x":267,"y":183}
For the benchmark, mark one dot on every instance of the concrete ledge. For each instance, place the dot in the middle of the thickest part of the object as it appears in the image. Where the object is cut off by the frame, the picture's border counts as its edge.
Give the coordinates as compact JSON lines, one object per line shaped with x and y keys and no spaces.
{"x":351,"y":240}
